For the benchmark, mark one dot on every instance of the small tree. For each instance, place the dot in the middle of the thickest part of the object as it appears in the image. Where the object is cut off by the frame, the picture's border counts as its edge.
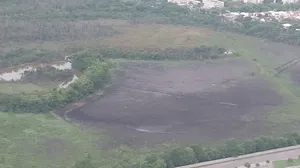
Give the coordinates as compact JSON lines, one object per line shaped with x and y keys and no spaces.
{"x":290,"y":160}
{"x":268,"y":161}
{"x":257,"y":164}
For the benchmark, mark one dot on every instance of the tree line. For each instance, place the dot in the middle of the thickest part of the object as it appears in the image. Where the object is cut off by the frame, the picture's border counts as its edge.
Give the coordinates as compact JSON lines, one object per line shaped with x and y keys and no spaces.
{"x":176,"y":155}
{"x":197,"y":53}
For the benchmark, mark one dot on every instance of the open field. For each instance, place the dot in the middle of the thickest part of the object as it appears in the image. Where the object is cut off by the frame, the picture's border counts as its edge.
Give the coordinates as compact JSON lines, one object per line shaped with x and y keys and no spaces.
{"x":31,"y":140}
{"x":254,"y":51}
{"x":154,"y":102}
{"x":185,"y":102}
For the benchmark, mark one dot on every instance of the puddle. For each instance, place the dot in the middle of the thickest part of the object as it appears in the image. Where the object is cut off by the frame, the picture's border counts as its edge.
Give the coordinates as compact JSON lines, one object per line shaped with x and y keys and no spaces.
{"x":15,"y":75}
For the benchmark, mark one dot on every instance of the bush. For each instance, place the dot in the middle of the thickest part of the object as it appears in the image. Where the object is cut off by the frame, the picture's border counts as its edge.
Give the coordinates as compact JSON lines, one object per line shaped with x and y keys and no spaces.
{"x":86,"y":163}
{"x":83,"y":60}
{"x":248,"y":165}
{"x":180,"y":156}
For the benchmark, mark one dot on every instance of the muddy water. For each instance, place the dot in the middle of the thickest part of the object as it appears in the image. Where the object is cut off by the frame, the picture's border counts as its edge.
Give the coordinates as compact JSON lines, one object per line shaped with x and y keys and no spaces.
{"x":65,"y":66}
{"x":16,"y":74}
{"x":66,"y":84}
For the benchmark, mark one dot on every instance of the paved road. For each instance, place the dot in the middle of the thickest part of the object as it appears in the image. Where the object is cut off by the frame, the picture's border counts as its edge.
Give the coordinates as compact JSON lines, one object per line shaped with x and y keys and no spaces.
{"x":260,"y":157}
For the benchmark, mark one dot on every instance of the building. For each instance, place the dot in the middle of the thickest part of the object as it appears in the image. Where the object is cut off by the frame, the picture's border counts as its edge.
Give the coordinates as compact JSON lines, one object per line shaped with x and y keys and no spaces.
{"x":254,"y":1}
{"x":261,"y":1}
{"x":289,"y":1}
{"x":208,"y":4}
{"x":185,"y":2}
{"x":250,"y":1}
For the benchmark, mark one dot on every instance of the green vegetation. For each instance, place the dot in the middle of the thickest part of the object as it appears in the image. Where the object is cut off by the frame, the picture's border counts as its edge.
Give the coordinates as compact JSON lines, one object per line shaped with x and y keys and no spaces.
{"x":171,"y":156}
{"x":46,"y":75}
{"x":286,"y":163}
{"x":23,"y":56}
{"x":29,"y":140}
{"x":17,"y":88}
{"x":93,"y":78}
{"x":39,"y":140}
{"x":37,"y":25}
{"x":197,"y":53}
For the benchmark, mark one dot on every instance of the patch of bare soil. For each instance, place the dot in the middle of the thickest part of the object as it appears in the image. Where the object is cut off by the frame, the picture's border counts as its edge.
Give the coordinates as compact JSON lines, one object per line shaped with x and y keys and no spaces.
{"x":154,"y":103}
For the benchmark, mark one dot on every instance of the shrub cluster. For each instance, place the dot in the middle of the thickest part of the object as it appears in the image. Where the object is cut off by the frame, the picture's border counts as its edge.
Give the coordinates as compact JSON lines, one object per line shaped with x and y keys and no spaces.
{"x":197,"y":53}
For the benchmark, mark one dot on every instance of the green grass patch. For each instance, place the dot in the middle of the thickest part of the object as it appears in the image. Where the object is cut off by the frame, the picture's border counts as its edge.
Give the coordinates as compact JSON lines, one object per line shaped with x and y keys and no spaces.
{"x":286,"y":163}
{"x":14,"y":88}
{"x":41,"y":140}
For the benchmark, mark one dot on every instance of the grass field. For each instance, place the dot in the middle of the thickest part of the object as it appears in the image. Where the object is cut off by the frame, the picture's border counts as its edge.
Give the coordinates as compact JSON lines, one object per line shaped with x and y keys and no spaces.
{"x":26,"y":88}
{"x":29,"y":140}
{"x":41,"y":140}
{"x":285,"y":163}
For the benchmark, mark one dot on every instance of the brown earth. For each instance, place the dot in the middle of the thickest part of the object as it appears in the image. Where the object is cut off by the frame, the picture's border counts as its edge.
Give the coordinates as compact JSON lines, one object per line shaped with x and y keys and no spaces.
{"x":189,"y":102}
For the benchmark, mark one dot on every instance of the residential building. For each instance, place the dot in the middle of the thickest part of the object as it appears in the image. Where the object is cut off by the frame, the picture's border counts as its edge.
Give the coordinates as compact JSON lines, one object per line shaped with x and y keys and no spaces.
{"x":289,"y":1}
{"x":250,"y":1}
{"x":208,"y":4}
{"x":185,"y":2}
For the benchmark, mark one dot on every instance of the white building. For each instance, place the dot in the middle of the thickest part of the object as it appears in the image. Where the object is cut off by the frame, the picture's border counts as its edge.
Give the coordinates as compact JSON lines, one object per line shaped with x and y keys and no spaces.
{"x":208,"y":4}
{"x":289,"y":1}
{"x":250,"y":1}
{"x":261,"y":1}
{"x":185,"y":2}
